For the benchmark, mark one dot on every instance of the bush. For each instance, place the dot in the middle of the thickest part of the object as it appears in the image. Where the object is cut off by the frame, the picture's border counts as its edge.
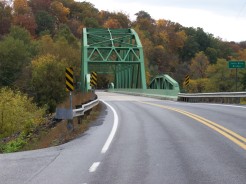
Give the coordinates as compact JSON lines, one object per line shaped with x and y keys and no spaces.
{"x":14,"y":145}
{"x":18,"y":113}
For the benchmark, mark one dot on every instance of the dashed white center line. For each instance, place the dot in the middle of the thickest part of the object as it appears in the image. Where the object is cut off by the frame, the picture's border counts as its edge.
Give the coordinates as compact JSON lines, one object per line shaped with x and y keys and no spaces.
{"x":94,"y":166}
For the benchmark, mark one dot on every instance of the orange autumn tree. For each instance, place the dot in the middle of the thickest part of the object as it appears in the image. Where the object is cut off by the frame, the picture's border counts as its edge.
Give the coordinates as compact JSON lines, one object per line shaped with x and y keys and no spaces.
{"x":112,"y":23}
{"x":60,"y":12}
{"x":23,"y":16}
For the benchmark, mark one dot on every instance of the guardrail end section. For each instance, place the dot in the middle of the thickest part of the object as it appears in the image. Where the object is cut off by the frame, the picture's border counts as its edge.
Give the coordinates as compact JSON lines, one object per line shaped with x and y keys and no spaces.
{"x":62,"y":113}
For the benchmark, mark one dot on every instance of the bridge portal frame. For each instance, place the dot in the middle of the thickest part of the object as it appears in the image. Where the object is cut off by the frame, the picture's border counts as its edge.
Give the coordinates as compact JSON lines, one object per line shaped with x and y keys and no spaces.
{"x":115,"y":51}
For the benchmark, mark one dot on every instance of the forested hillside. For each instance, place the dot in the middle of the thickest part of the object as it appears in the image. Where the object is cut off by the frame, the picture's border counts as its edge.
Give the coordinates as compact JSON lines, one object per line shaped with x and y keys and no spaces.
{"x":39,"y":38}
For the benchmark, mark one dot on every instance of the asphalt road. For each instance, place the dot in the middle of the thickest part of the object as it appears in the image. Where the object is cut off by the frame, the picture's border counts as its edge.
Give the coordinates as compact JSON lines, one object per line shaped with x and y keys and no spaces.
{"x":146,"y":141}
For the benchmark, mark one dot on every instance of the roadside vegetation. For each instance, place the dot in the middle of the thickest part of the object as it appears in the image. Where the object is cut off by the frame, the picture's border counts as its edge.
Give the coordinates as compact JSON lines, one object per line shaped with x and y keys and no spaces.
{"x":40,"y":38}
{"x":24,"y":126}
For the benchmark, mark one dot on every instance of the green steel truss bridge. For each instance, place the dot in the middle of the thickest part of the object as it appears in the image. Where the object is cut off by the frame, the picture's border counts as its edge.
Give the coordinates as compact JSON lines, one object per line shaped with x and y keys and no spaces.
{"x":119,"y":53}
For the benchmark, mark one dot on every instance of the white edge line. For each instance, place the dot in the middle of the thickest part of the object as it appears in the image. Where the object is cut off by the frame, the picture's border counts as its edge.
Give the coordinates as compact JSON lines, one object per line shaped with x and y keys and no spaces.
{"x":113,"y":131}
{"x":94,"y":166}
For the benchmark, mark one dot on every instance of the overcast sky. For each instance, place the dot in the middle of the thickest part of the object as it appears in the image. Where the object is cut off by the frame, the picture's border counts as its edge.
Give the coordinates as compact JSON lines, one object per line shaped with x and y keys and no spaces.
{"x":222,"y":18}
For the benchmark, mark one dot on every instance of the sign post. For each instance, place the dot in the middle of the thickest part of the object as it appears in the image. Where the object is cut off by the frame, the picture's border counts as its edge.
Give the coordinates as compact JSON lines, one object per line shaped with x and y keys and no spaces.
{"x":236,"y":65}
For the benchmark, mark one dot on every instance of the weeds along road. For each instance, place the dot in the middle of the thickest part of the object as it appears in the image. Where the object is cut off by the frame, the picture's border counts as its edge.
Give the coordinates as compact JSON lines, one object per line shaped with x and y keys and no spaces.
{"x":142,"y":140}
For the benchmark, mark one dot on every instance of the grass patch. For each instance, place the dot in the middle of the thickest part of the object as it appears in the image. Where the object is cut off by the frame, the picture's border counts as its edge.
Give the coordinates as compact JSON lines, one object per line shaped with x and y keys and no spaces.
{"x":243,"y":101}
{"x":14,"y":145}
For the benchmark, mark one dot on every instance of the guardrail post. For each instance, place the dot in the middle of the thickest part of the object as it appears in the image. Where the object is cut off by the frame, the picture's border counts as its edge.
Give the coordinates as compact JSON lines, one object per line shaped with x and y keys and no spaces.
{"x":79,"y":119}
{"x":70,"y":126}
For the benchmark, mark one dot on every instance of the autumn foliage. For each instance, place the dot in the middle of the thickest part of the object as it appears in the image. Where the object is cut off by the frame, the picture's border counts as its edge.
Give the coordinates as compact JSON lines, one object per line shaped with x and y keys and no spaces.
{"x":40,"y":37}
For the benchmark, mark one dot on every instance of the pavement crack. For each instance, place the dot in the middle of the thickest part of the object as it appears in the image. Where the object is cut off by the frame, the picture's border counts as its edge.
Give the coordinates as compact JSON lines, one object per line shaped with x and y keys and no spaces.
{"x":41,"y":170}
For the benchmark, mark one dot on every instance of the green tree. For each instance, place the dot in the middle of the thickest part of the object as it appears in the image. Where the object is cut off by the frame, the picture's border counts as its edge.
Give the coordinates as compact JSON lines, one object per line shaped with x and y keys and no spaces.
{"x":65,"y":33}
{"x":203,"y":39}
{"x":17,"y":50}
{"x":143,"y":15}
{"x":189,"y":50}
{"x":14,"y":56}
{"x":242,"y":56}
{"x":91,"y":22}
{"x":211,"y":53}
{"x":182,"y":69}
{"x":62,"y":50}
{"x":45,"y":22}
{"x":145,"y":23}
{"x":221,"y":79}
{"x":85,"y":12}
{"x":5,"y":18}
{"x":224,"y":50}
{"x":48,"y":80}
{"x":19,"y":33}
{"x":243,"y":80}
{"x":199,"y":65}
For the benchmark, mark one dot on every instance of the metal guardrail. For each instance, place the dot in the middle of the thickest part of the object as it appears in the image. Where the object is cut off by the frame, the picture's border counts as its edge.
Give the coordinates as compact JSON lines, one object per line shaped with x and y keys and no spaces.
{"x":81,"y":111}
{"x":219,"y":97}
{"x":62,"y":113}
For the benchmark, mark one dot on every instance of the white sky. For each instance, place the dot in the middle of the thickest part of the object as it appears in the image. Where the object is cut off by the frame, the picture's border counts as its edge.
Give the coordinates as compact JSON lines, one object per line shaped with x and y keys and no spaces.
{"x":222,"y":18}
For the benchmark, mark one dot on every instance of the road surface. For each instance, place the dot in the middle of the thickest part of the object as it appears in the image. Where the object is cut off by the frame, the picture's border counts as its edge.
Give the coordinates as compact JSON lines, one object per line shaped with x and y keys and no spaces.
{"x":142,"y":140}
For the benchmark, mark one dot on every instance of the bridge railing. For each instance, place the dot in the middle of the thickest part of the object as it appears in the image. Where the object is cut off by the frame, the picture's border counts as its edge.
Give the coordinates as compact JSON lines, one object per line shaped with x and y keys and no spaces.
{"x":219,"y":97}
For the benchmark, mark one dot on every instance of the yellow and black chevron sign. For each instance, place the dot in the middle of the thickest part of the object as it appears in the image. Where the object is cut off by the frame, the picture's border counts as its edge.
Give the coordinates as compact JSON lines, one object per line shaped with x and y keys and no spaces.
{"x":69,"y":79}
{"x":187,"y":80}
{"x":93,"y":80}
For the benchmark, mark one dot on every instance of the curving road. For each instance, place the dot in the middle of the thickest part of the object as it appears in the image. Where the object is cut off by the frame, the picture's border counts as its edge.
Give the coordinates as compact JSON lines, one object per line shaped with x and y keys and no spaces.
{"x":143,"y":140}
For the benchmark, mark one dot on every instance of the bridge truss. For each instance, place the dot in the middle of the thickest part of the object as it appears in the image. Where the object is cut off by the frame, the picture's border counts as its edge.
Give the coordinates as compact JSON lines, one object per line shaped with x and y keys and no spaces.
{"x":164,"y":82}
{"x":117,"y":52}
